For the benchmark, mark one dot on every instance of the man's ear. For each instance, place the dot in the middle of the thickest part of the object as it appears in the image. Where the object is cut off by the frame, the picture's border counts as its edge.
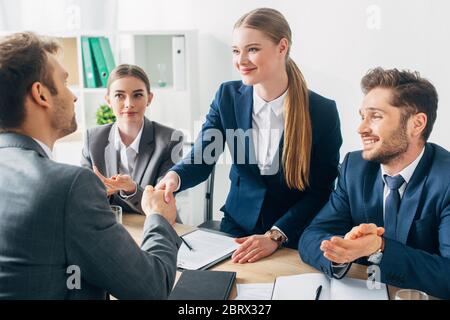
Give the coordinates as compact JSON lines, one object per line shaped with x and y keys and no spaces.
{"x":419,"y":122}
{"x":40,"y":95}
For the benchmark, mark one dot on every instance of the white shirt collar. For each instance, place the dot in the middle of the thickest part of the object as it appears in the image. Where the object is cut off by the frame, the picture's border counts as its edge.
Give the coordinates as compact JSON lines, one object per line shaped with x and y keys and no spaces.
{"x":276,"y":104}
{"x":134,"y":145}
{"x":408,"y":171}
{"x":47,"y":150}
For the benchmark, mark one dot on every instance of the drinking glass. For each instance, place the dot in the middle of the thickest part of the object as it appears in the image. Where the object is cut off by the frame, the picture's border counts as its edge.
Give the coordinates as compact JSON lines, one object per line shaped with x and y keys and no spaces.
{"x":117,"y":211}
{"x":410,"y":294}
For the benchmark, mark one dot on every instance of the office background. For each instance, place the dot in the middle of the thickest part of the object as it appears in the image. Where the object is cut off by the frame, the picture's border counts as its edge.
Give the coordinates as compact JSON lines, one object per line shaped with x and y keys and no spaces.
{"x":334,"y":42}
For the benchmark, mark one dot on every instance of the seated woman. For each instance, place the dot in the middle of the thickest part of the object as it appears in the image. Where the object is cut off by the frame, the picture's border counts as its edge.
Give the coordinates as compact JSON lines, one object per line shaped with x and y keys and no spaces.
{"x":133,"y":152}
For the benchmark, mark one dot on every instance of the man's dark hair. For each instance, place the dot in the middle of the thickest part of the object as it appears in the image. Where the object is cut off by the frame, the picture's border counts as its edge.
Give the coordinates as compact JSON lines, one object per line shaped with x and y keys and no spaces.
{"x":410,"y":92}
{"x":23,"y":61}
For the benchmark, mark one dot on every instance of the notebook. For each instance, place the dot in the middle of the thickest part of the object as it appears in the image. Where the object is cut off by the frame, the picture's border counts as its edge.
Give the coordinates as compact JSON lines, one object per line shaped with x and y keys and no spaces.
{"x":208,"y":248}
{"x":304,"y":287}
{"x":203,"y":285}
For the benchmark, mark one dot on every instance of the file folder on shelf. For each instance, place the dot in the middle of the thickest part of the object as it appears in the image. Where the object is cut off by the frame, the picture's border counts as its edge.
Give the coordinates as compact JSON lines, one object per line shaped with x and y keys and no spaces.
{"x":99,"y":59}
{"x":90,"y":80}
{"x":107,"y":53}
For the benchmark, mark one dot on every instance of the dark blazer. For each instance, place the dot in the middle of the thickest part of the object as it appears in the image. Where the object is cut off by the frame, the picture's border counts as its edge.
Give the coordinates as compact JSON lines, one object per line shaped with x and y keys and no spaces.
{"x":159,"y":149}
{"x":255,"y":202}
{"x":55,"y":216}
{"x":420,"y":257}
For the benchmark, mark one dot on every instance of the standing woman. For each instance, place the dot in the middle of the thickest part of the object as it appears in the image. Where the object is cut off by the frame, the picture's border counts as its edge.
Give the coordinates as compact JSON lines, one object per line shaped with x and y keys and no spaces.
{"x":134,"y":151}
{"x":284,"y":175}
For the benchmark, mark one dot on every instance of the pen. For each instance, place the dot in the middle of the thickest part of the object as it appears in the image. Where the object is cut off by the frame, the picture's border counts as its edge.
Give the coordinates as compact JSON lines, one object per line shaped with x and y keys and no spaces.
{"x":187,"y":245}
{"x":318,"y":291}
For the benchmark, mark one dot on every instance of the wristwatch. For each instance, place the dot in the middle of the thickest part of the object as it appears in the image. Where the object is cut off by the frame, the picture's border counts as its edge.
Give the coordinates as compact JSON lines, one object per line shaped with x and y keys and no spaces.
{"x":376,"y":257}
{"x":276,"y":236}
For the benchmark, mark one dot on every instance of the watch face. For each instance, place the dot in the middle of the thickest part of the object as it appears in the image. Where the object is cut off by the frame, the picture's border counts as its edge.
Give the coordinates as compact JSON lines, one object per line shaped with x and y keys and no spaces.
{"x":376,"y":258}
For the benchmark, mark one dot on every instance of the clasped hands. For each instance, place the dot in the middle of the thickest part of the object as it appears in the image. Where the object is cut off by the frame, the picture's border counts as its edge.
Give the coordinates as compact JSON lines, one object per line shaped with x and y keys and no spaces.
{"x":361,"y":241}
{"x":118,"y":182}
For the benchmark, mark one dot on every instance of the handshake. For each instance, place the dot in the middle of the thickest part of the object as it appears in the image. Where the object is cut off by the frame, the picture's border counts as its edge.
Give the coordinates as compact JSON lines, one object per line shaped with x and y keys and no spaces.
{"x":160,"y":199}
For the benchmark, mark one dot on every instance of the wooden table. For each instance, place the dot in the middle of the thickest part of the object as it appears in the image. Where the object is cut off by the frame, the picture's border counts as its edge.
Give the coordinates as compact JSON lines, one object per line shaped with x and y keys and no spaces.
{"x":283,"y":262}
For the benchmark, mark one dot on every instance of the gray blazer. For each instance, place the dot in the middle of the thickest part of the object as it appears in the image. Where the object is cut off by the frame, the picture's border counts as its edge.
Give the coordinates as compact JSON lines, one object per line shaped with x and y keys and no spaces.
{"x":157,"y":154}
{"x":54,"y":216}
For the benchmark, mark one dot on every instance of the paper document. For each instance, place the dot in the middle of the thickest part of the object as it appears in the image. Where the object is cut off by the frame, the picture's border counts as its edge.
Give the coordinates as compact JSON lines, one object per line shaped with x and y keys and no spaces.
{"x":254,"y":291}
{"x":304,"y":287}
{"x":207,"y":248}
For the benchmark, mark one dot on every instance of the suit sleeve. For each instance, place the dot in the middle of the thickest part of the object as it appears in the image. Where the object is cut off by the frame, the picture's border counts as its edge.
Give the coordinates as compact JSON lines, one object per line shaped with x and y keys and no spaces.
{"x":105,"y":252}
{"x":195,"y":168}
{"x":323,"y":171}
{"x":334,"y":219}
{"x":173,"y":155}
{"x":406,"y":267}
{"x":85,"y":154}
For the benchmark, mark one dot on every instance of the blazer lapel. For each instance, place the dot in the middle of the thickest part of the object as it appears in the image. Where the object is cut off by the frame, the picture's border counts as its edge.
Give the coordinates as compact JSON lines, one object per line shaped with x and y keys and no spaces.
{"x":373,"y":195}
{"x":243,"y":107}
{"x":111,"y":154}
{"x":412,"y":195}
{"x":146,"y":148}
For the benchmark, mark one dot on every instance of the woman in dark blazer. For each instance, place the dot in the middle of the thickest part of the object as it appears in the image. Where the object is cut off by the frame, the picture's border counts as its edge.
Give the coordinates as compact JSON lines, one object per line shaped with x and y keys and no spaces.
{"x":134,"y":151}
{"x":284,"y":141}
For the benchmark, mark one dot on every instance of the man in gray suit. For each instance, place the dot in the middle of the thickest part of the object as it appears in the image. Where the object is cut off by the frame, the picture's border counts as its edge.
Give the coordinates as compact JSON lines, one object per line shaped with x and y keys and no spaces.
{"x":58,"y":236}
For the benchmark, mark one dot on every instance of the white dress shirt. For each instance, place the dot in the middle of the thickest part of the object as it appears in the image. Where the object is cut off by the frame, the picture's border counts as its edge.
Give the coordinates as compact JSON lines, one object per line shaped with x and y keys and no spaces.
{"x":127,"y":156}
{"x":268,"y":127}
{"x":340,"y":269}
{"x":47,"y":150}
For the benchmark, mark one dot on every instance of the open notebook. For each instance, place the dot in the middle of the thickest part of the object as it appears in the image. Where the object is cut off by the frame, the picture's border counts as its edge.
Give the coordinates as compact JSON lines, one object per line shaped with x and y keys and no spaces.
{"x":208,"y":248}
{"x":304,"y":287}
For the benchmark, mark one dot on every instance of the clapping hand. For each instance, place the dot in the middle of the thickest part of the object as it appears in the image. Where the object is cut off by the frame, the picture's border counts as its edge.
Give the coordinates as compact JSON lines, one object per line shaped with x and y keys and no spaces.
{"x":118,"y":182}
{"x":361,"y":241}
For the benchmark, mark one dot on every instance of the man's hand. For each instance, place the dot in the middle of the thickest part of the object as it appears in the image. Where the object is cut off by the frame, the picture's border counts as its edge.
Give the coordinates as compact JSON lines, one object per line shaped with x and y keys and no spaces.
{"x":339,"y":250}
{"x":169,"y":184}
{"x":153,"y":203}
{"x":119,"y":182}
{"x":364,"y":229}
{"x":253,"y":248}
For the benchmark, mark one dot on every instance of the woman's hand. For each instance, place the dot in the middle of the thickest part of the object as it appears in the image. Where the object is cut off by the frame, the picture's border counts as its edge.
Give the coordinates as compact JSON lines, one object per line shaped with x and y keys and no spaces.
{"x":169,"y":183}
{"x":253,"y":248}
{"x":119,"y":182}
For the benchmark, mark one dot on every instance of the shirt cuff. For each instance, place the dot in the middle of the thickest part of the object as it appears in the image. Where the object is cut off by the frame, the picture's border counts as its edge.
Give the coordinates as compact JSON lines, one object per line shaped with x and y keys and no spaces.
{"x":339,"y":269}
{"x":125,"y":196}
{"x":179,"y":181}
{"x":284,"y":235}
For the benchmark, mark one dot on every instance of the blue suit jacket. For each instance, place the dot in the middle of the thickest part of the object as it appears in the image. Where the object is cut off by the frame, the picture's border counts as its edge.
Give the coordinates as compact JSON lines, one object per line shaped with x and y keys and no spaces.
{"x":255,"y":203}
{"x":420,"y":257}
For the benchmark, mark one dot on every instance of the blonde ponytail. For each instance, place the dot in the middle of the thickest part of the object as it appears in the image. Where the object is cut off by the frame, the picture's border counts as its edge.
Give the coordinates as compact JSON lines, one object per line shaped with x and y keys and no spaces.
{"x":297,"y":130}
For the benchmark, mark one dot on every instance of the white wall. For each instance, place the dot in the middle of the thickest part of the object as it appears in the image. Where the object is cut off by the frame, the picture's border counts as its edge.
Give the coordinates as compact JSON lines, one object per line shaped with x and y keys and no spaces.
{"x":334,"y":42}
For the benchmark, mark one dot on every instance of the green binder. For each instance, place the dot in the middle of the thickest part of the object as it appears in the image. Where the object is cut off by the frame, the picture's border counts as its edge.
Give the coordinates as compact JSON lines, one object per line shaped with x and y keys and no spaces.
{"x":107,"y":54}
{"x":100,"y":62}
{"x":89,"y":75}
